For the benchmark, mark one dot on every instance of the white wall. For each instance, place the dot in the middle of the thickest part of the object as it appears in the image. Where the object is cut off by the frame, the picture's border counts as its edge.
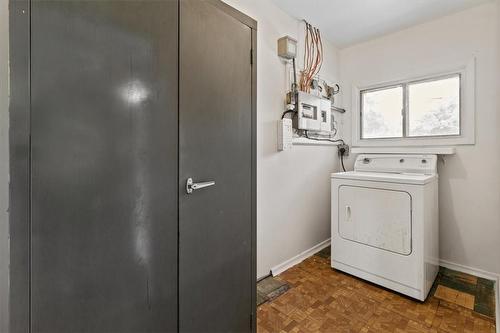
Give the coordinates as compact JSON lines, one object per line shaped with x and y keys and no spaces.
{"x":293,"y":187}
{"x":469,"y":181}
{"x":4,"y":166}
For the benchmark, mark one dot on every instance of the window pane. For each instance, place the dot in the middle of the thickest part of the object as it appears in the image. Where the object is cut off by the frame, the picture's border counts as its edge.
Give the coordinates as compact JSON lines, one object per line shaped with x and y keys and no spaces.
{"x":434,"y":107}
{"x":381,"y":113}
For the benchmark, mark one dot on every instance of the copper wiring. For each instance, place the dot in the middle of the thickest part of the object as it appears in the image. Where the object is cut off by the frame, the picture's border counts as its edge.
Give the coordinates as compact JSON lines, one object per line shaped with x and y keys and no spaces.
{"x":315,"y":63}
{"x":304,"y":75}
{"x":320,"y":48}
{"x":301,"y":81}
{"x":313,"y":57}
{"x":319,"y":56}
{"x":308,"y":49}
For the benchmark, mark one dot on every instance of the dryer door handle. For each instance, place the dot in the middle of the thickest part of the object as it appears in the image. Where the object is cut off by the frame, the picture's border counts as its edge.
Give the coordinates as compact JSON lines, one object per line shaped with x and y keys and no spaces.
{"x":348,"y":213}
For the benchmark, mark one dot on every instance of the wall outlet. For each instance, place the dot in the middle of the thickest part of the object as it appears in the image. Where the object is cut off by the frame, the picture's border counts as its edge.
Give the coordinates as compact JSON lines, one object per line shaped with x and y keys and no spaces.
{"x":345,"y":148}
{"x":285,"y":134}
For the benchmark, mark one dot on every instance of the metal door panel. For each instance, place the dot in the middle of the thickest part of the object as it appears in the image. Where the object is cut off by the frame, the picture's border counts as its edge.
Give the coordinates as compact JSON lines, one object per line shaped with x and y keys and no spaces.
{"x":215,"y":140}
{"x":104,"y":166}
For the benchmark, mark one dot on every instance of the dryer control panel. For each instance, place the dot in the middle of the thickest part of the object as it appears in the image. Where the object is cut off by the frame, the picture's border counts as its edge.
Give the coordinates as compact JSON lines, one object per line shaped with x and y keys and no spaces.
{"x":396,"y":163}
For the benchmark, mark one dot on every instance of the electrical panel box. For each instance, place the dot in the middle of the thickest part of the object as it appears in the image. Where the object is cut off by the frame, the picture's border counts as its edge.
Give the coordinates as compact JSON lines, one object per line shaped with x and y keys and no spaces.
{"x":287,"y":47}
{"x":285,"y":134}
{"x":314,"y":113}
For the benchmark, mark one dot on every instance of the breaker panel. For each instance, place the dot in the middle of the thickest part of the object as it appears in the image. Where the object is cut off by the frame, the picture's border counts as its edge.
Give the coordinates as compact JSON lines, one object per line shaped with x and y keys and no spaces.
{"x":314,"y":113}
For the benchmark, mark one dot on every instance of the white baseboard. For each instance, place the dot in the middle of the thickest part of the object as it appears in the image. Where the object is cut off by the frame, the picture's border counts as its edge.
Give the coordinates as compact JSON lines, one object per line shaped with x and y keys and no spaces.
{"x":469,"y":270}
{"x":278,"y":269}
{"x":479,"y":273}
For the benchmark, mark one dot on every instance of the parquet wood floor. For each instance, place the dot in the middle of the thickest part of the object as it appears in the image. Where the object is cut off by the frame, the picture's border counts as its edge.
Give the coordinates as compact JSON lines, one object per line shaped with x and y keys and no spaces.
{"x":324,"y":300}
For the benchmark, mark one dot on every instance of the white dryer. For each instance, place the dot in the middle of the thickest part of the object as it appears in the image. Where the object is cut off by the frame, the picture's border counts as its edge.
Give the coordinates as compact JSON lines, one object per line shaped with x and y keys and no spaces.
{"x":385,"y":222}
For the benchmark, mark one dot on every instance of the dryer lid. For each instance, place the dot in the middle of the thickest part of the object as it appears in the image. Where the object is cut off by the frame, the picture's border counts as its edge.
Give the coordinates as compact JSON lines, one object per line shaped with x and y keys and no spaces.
{"x":386,"y":177}
{"x":395,"y":163}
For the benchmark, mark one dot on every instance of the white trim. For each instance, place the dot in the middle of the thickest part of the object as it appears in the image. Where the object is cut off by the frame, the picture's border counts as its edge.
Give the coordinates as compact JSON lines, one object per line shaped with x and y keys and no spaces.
{"x":469,"y":270}
{"x":278,"y":269}
{"x":404,"y":150}
{"x":479,"y":273}
{"x":468,"y":100}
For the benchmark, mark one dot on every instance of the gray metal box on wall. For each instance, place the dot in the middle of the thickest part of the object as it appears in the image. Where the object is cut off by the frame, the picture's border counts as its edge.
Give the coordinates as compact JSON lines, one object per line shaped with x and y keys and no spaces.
{"x":314,"y":113}
{"x":287,"y":47}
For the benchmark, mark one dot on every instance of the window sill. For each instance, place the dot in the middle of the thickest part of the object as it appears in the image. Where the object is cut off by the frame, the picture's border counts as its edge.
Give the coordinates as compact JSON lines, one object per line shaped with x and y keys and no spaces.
{"x":404,"y":150}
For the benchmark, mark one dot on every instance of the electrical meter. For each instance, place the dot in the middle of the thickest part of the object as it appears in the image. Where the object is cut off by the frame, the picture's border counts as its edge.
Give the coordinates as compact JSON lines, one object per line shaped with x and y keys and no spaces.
{"x":314,"y":113}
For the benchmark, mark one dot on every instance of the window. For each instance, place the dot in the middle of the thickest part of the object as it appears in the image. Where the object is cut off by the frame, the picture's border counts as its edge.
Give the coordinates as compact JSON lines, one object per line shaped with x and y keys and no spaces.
{"x":423,"y":108}
{"x":381,"y":109}
{"x":436,"y":110}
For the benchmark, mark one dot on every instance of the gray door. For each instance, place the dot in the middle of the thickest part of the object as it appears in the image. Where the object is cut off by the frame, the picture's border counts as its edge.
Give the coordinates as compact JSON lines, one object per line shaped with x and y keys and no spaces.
{"x":215,"y":144}
{"x":104,"y":166}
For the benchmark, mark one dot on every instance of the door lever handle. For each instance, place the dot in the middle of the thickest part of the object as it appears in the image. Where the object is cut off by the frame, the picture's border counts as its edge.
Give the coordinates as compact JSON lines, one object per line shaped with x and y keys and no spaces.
{"x":191,"y":186}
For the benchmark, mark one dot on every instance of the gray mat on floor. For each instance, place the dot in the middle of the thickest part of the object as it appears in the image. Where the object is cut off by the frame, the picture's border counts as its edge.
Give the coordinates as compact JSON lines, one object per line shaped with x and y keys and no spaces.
{"x":270,"y":288}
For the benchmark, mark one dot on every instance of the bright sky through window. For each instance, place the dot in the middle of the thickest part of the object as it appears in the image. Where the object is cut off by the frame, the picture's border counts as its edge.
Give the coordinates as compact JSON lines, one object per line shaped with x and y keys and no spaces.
{"x":413,"y":109}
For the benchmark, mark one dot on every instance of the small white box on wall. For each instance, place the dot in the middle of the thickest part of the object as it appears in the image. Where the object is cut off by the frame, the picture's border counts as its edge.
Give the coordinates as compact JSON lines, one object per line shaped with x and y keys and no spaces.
{"x":285,"y":134}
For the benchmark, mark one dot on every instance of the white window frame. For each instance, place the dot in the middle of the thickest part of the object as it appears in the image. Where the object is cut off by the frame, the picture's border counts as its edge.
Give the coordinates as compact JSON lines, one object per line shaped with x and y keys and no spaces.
{"x":467,"y":112}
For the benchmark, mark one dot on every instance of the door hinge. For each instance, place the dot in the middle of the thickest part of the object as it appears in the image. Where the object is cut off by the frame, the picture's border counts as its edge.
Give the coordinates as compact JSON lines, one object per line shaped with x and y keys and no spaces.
{"x":251,"y":56}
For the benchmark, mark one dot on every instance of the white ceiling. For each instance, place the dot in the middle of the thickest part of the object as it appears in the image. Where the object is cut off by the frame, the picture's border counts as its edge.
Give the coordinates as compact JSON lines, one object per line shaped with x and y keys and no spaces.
{"x":348,"y":22}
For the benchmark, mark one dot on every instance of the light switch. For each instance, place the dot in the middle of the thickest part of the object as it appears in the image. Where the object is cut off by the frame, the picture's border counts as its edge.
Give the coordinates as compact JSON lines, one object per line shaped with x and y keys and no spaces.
{"x":285,"y":134}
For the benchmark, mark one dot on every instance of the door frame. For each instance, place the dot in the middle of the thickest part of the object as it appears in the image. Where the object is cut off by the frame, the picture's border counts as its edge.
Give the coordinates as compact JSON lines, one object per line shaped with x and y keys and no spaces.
{"x":20,"y":161}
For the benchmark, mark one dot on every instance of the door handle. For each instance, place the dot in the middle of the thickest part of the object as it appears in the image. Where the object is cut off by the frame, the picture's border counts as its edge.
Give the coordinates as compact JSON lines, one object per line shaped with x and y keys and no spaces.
{"x":191,"y":186}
